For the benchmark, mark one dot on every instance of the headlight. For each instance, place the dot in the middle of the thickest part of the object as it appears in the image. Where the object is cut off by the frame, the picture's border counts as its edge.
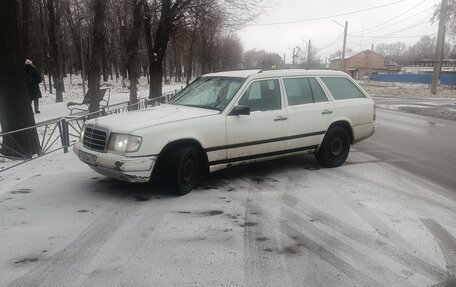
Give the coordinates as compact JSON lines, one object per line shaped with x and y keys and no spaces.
{"x":81,"y":136}
{"x":121,"y":144}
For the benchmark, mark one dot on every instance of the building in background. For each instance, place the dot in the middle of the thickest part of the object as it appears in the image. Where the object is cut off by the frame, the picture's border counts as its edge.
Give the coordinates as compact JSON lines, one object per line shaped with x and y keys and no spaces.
{"x":360,"y":64}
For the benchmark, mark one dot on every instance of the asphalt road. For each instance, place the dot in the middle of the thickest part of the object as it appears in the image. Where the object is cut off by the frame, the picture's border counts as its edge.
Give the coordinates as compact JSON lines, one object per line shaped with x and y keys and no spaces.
{"x":385,"y":218}
{"x":420,"y":144}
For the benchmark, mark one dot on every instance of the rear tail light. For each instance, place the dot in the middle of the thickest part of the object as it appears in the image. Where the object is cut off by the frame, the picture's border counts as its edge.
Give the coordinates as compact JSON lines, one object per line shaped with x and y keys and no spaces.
{"x":374,"y":116}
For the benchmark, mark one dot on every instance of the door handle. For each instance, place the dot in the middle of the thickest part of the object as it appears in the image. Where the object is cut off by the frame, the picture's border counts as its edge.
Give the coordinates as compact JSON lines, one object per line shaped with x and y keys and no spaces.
{"x":280,"y":118}
{"x":326,"y":112}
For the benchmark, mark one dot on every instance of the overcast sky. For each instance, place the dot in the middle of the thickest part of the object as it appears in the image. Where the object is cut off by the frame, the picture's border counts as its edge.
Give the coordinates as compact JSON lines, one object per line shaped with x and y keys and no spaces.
{"x":393,"y":23}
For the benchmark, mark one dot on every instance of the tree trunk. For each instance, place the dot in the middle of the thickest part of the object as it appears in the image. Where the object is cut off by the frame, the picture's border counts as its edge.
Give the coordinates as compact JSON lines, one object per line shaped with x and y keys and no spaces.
{"x":132,"y":51}
{"x":104,"y":64}
{"x":44,"y":45}
{"x":148,"y":34}
{"x":26,"y":25}
{"x":55,"y":61}
{"x":97,"y":50}
{"x":15,"y":110}
{"x":189,"y":67}
{"x":175,"y":68}
{"x":159,"y":49}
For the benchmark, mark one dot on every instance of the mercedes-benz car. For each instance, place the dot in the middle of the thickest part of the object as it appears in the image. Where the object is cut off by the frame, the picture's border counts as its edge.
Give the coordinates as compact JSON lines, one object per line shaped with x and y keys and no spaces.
{"x":230,"y":118}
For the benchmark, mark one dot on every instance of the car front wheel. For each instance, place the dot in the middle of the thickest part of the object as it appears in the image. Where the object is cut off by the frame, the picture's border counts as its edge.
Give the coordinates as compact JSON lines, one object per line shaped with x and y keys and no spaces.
{"x":334,"y":148}
{"x":184,"y":170}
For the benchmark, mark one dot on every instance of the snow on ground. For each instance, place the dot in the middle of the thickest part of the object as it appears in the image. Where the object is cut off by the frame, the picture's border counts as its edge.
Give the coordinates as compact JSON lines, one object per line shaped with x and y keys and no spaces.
{"x":280,"y":223}
{"x":405,"y":90}
{"x":413,"y":98}
{"x":74,"y":93}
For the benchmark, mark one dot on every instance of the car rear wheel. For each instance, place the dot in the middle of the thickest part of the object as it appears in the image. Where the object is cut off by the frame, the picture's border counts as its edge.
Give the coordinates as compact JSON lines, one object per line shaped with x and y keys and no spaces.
{"x":334,"y":148}
{"x":184,"y":170}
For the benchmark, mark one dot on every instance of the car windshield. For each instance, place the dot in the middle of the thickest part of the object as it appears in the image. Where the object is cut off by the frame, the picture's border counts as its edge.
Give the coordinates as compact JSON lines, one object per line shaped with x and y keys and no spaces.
{"x":209,"y":92}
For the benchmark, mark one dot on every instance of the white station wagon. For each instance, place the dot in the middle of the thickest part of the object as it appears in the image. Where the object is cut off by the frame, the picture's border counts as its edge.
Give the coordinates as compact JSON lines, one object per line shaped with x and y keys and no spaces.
{"x":229,"y":118}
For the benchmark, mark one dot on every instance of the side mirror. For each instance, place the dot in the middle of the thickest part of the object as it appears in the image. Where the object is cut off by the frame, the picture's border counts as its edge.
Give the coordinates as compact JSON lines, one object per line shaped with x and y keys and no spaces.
{"x":240,"y":110}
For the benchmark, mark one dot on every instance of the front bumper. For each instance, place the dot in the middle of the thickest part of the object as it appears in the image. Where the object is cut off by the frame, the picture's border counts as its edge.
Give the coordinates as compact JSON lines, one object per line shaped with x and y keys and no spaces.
{"x":130,"y":169}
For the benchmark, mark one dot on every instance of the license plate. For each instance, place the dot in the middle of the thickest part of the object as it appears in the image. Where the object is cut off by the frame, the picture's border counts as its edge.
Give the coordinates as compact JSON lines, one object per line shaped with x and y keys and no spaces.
{"x":87,"y":157}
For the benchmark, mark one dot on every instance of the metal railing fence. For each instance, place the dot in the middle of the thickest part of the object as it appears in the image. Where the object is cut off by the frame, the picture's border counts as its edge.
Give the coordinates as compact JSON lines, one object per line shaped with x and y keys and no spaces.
{"x":61,"y":133}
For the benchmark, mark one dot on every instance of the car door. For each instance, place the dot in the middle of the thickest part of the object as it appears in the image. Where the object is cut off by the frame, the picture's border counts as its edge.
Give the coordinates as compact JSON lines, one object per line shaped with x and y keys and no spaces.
{"x":309,"y":112}
{"x":263,"y":132}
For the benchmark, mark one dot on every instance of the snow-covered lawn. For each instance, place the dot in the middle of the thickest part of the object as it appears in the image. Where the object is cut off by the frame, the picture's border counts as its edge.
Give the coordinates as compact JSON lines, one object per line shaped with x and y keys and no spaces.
{"x":74,"y":93}
{"x":404,"y":90}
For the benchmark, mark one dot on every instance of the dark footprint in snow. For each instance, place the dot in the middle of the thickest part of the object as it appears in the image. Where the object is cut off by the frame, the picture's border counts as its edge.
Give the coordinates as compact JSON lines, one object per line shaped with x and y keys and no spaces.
{"x":26,"y":260}
{"x":141,"y":198}
{"x":258,"y":179}
{"x":22,"y":190}
{"x":289,"y":250}
{"x":212,"y":212}
{"x":248,"y":224}
{"x":312,"y":168}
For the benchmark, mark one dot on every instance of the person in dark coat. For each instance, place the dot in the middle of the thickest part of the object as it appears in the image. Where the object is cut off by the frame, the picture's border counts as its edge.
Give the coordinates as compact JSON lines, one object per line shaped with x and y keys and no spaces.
{"x":33,"y":81}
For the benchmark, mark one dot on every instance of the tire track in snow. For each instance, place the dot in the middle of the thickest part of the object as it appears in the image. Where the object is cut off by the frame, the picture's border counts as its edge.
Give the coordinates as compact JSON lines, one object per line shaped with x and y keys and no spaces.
{"x":65,"y":265}
{"x":294,"y":241}
{"x":262,"y":265}
{"x":416,"y":264}
{"x":447,"y":244}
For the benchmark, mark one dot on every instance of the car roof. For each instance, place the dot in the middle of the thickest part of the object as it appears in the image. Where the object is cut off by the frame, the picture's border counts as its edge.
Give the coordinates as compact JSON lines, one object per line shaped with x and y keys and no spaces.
{"x":273,"y":73}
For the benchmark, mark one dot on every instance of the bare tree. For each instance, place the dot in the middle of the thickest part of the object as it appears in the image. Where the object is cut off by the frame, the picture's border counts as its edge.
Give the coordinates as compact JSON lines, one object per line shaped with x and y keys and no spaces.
{"x":450,"y":18}
{"x":132,"y":26}
{"x":261,"y":59}
{"x":97,"y":50}
{"x":54,"y":27}
{"x":170,"y":13}
{"x":15,"y":109}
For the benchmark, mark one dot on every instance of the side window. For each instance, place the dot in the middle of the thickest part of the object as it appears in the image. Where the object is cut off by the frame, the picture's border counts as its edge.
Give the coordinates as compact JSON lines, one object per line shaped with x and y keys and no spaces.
{"x":262,"y":96}
{"x":342,"y":88}
{"x":299,"y":91}
{"x":318,"y":93}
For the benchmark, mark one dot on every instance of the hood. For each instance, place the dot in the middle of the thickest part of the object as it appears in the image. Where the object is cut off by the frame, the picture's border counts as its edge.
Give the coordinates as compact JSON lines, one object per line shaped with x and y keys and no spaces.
{"x":164,"y":114}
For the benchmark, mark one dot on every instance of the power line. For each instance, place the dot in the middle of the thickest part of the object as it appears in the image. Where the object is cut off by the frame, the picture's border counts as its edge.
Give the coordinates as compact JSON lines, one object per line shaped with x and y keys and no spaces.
{"x":326,"y":17}
{"x":402,"y":20}
{"x":393,"y":18}
{"x":418,"y":23}
{"x":332,"y":43}
{"x":415,"y":36}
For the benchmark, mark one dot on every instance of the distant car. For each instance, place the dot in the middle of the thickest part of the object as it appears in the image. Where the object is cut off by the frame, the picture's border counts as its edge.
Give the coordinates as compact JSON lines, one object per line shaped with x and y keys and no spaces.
{"x":229,"y":118}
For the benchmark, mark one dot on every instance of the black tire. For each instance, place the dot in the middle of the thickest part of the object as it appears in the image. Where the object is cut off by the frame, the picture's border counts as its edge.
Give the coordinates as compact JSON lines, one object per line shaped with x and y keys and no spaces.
{"x":183,"y":170}
{"x":334,"y":148}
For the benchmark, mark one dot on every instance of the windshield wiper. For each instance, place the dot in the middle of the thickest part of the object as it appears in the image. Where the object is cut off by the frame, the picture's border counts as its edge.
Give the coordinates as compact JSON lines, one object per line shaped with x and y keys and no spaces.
{"x":204,"y":107}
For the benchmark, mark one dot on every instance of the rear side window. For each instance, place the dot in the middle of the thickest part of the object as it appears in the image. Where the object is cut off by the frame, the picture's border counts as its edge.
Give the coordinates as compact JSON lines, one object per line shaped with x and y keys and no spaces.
{"x":342,"y":88}
{"x":318,"y":93}
{"x":304,"y":91}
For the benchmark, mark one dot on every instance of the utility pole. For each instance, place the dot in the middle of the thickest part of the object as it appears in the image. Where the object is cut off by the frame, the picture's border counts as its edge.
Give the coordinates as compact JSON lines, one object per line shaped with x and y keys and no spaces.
{"x":294,"y":55}
{"x":439,"y":47}
{"x":343,"y":47}
{"x":308,"y":54}
{"x":284,"y":63}
{"x":370,"y":60}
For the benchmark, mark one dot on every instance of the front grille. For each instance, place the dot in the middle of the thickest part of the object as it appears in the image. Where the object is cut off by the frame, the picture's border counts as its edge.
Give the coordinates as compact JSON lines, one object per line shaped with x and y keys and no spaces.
{"x":95,"y":138}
